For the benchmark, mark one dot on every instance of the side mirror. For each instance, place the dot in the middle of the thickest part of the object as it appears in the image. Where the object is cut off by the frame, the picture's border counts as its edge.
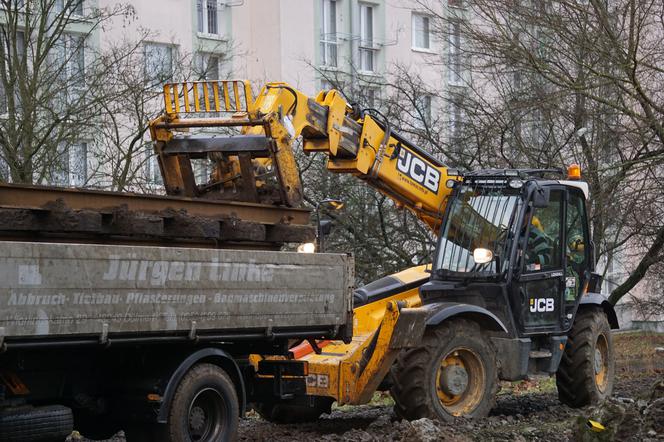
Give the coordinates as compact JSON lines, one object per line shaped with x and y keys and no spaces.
{"x":541,"y":197}
{"x":326,"y":226}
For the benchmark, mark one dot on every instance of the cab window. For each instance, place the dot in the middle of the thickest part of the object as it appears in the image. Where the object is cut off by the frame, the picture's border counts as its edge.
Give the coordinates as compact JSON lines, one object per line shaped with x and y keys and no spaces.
{"x":576,"y":239}
{"x":543,"y":245}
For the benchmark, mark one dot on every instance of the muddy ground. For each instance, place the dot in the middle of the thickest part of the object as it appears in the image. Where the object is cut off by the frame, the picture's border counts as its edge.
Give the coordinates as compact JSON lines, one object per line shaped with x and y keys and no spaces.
{"x":531,"y":415}
{"x":525,"y":411}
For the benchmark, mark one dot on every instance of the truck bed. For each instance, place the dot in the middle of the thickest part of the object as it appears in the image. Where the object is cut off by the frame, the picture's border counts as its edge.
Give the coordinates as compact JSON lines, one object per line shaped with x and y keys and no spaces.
{"x":90,"y":293}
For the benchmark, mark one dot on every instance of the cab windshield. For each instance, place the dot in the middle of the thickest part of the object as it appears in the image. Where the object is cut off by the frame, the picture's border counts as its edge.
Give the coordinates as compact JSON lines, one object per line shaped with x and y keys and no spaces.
{"x":481,"y":216}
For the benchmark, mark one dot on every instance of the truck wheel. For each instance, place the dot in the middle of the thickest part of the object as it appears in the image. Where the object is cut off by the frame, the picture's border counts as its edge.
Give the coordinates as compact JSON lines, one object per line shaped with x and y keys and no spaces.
{"x":281,"y":412}
{"x":585,"y":374}
{"x":204,"y":408}
{"x":452,"y":373}
{"x":48,"y":423}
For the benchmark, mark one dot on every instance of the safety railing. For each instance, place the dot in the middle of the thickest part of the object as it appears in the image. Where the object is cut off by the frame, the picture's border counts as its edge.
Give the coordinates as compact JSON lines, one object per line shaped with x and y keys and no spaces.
{"x":208,"y":96}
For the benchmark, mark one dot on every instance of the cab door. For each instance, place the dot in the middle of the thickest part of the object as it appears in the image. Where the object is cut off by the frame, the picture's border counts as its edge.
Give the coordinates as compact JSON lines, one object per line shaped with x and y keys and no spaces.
{"x":578,"y":257}
{"x":540,"y":284}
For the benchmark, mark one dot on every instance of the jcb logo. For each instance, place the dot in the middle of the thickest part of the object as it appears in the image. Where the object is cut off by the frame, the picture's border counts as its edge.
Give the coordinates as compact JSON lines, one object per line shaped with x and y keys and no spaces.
{"x":417,"y":170}
{"x":540,"y":305}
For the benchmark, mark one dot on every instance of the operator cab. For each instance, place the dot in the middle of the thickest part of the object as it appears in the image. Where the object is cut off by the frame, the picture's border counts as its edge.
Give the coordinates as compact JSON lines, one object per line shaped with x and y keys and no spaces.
{"x":516,"y":243}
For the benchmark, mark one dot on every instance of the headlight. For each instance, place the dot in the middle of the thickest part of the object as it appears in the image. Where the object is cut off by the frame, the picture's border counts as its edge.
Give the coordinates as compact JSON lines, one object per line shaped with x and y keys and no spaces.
{"x":482,"y":256}
{"x":515,"y":183}
{"x":307,"y":247}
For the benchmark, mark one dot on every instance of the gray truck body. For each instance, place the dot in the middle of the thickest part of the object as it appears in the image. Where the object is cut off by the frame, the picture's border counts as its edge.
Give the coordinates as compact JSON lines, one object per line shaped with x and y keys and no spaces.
{"x":51,"y":291}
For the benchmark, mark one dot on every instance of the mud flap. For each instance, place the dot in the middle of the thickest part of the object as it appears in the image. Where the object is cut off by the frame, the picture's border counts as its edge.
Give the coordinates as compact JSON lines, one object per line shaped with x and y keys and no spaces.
{"x":409,"y":329}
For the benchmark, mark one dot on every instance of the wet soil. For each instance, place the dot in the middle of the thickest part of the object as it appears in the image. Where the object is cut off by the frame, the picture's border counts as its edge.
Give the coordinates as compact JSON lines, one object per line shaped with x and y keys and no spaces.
{"x":524,"y":411}
{"x":530,"y":415}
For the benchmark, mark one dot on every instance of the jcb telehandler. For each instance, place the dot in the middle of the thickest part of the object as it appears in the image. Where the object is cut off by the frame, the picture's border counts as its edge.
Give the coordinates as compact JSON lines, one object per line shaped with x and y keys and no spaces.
{"x":511,"y":291}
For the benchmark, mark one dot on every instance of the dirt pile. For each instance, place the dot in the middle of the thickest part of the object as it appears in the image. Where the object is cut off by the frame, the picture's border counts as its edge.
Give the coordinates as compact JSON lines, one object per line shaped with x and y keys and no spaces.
{"x":625,"y":419}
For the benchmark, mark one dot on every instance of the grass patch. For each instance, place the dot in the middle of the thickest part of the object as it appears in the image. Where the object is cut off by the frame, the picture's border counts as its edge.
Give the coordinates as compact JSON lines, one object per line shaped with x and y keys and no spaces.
{"x":536,"y":385}
{"x":379,"y":399}
{"x":641,"y":344}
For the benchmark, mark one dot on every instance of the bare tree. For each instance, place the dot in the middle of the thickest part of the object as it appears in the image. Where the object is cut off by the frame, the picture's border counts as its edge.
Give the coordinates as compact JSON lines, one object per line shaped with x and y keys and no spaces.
{"x":52,"y":84}
{"x":383,"y":239}
{"x":123,"y":148}
{"x":551,"y":83}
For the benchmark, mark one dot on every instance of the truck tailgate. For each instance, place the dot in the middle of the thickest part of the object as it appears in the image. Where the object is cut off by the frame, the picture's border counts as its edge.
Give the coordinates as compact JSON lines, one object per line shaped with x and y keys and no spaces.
{"x":60,"y":290}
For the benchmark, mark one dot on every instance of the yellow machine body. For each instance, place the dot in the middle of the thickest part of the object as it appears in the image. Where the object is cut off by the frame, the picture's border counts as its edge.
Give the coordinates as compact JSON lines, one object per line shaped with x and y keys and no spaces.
{"x":351,"y":373}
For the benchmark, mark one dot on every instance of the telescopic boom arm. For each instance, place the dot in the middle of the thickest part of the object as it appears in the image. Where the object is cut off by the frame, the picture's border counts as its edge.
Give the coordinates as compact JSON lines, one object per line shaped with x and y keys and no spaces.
{"x":258,"y":165}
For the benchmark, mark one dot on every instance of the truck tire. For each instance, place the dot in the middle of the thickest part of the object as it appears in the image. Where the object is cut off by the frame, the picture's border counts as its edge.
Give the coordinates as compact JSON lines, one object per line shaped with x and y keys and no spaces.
{"x":452,"y":373}
{"x":282,"y":412}
{"x":47,"y":423}
{"x":205,"y":407}
{"x":586,"y":371}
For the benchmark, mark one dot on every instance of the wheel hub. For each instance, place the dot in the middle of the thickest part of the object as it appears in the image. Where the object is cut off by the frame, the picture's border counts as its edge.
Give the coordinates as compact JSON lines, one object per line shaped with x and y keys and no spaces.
{"x":197,"y":418}
{"x":599,"y":362}
{"x":454,"y":380}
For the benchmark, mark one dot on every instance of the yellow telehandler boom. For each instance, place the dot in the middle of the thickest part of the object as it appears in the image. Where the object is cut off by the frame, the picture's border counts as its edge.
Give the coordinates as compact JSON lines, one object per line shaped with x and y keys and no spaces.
{"x":356,"y":142}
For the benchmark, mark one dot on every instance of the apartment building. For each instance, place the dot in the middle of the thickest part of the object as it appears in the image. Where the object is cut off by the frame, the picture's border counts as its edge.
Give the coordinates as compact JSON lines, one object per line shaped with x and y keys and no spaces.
{"x":302,"y":42}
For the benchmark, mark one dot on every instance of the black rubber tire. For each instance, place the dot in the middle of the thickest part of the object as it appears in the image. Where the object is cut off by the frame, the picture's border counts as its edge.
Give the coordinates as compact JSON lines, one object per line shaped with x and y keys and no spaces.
{"x":201,"y":379}
{"x":47,"y":423}
{"x":282,"y":412}
{"x":414,"y":374}
{"x":575,"y":377}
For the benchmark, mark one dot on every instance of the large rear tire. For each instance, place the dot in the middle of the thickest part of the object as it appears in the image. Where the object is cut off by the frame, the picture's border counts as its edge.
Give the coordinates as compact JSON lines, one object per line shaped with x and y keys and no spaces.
{"x":205,"y":408}
{"x":586,"y":371}
{"x":32,"y":424}
{"x":452,"y":373}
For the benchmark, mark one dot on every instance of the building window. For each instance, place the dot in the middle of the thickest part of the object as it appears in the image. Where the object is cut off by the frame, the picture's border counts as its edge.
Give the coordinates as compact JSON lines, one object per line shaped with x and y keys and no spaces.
{"x":328,"y":33}
{"x":75,"y":6}
{"x":78,"y":164}
{"x":152,"y":171}
{"x":74,"y":46}
{"x":158,"y":62}
{"x":20,"y":43}
{"x":421,"y":34}
{"x":536,"y":132}
{"x":208,"y":65}
{"x":208,"y":16}
{"x":456,"y":119}
{"x":367,"y":48}
{"x":12,"y":65}
{"x":454,"y":53}
{"x":423,"y":104}
{"x":71,"y":167}
{"x":371,"y":96}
